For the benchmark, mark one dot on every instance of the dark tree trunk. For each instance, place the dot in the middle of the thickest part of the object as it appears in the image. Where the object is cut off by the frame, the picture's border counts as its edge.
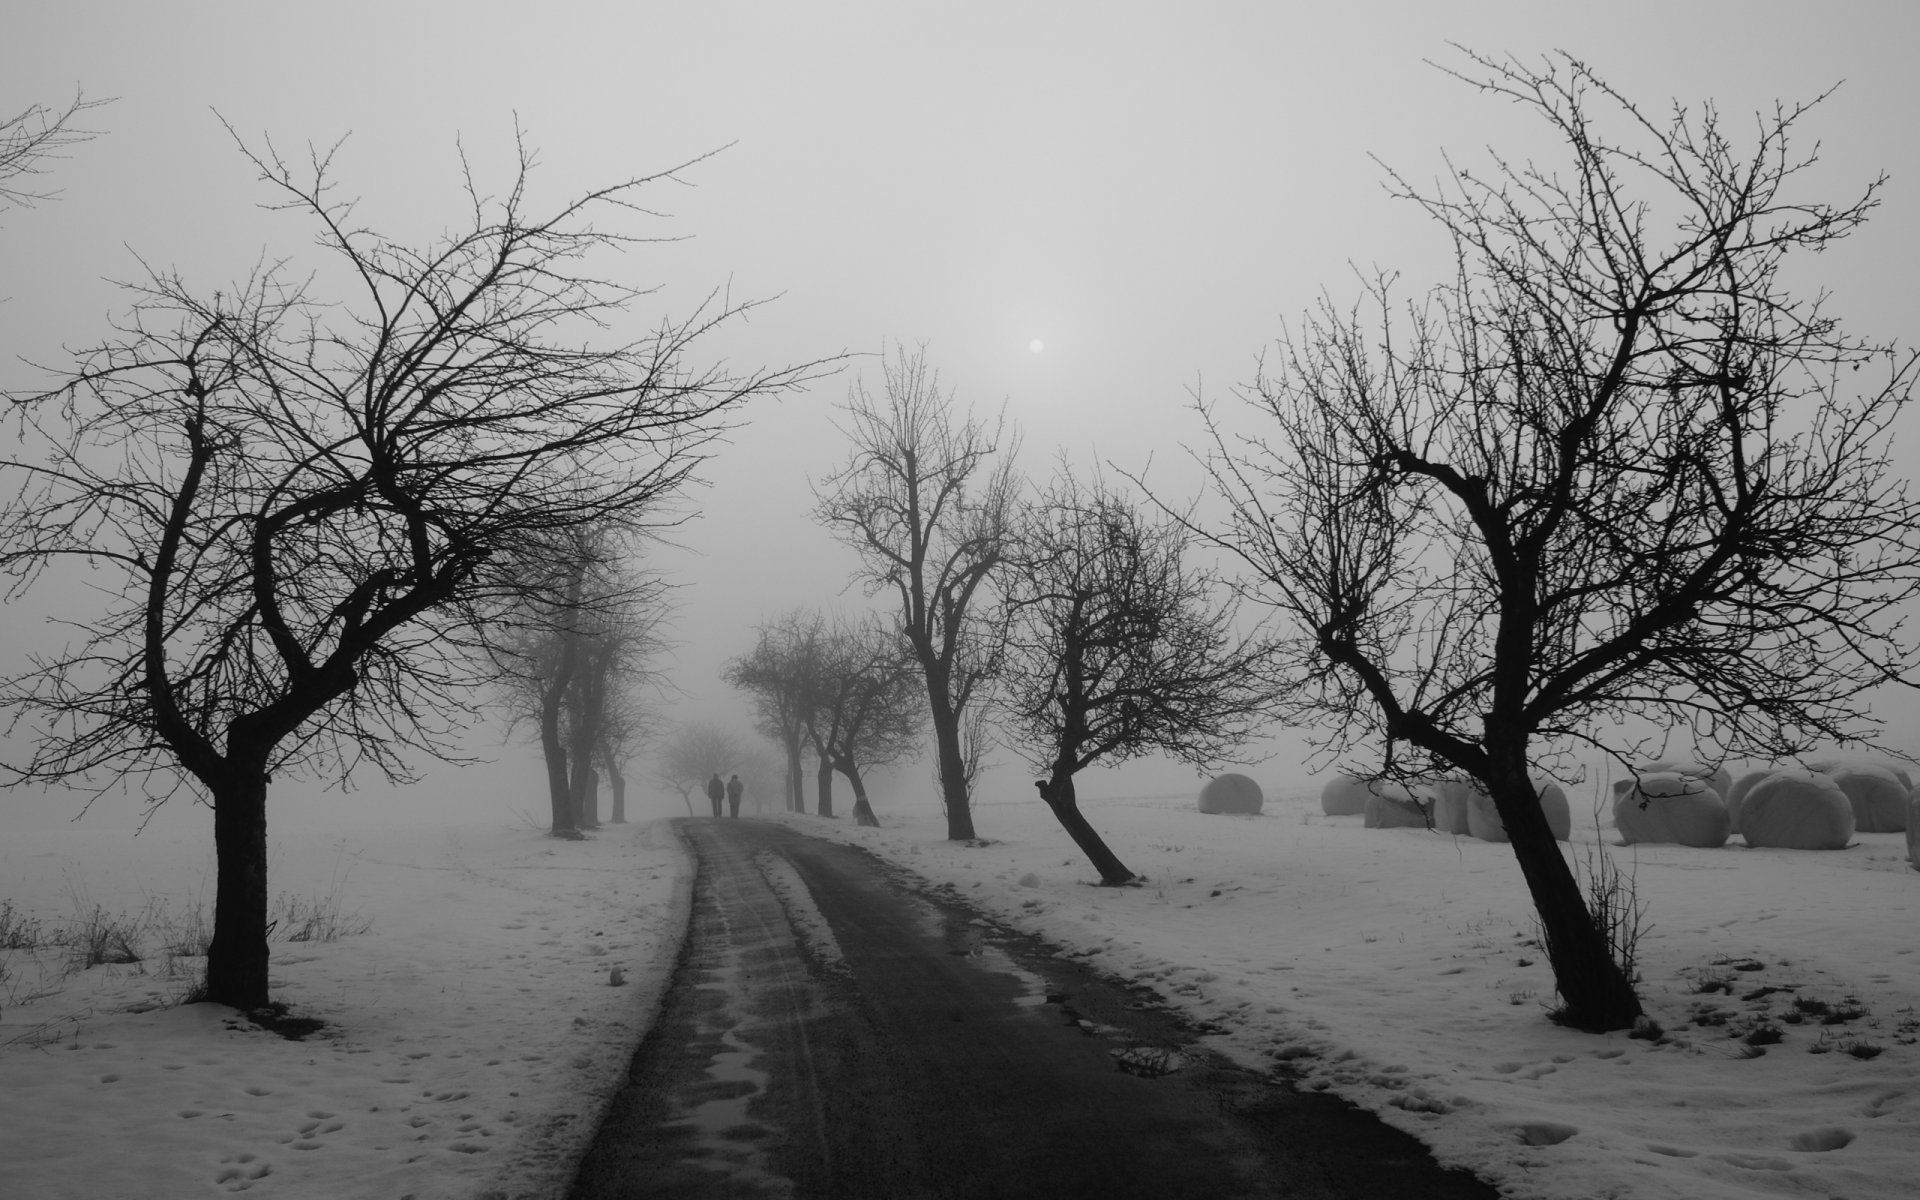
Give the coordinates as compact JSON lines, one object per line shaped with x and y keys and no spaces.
{"x":862,"y":811}
{"x":796,"y":777}
{"x":237,"y":957}
{"x":1060,"y":798}
{"x":823,"y":786}
{"x":588,"y":790}
{"x":554,"y":749}
{"x":617,"y":784}
{"x":952,"y":760}
{"x":1595,"y":992}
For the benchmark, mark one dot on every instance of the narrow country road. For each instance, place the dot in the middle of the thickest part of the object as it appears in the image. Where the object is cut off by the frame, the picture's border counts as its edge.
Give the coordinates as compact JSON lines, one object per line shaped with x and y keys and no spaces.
{"x":832,"y":1032}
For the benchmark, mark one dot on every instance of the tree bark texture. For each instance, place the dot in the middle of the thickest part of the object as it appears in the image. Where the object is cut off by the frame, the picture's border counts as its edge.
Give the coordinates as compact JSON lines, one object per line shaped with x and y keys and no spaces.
{"x":237,"y":957}
{"x":1059,"y":795}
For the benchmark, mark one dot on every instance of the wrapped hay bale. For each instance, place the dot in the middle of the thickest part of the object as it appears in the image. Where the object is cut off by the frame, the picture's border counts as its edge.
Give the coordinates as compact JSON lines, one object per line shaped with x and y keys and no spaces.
{"x":1344,"y":796}
{"x":1913,"y":833}
{"x":1901,"y":770}
{"x":1667,"y":806}
{"x":1878,"y":796}
{"x":1737,"y":794}
{"x":1716,"y":777}
{"x":1451,"y":803}
{"x":1231,"y":794}
{"x":1797,"y":809}
{"x":1391,"y":806}
{"x":1484,"y":821}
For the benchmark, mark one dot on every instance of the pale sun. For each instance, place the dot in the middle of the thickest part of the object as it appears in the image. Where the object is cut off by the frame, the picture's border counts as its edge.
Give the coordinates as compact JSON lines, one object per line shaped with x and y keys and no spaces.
{"x":1036,"y":345}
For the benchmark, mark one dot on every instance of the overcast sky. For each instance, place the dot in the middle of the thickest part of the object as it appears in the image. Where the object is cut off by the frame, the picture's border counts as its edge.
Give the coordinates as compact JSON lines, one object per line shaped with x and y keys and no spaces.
{"x":1147,"y":189}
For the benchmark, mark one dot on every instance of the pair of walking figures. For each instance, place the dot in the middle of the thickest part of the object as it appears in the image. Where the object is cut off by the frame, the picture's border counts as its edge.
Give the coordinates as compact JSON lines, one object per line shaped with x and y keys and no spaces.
{"x":730,"y":791}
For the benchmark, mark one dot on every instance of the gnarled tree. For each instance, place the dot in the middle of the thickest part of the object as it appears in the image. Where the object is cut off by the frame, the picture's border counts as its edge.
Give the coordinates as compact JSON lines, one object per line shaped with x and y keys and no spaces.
{"x":927,"y":502}
{"x":1118,"y":647}
{"x":868,"y":706}
{"x":302,"y":506}
{"x":1612,"y":474}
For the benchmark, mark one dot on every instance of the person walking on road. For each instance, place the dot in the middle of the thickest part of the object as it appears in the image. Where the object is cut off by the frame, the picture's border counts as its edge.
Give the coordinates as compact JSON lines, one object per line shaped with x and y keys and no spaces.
{"x":734,"y":790}
{"x":716,"y":791}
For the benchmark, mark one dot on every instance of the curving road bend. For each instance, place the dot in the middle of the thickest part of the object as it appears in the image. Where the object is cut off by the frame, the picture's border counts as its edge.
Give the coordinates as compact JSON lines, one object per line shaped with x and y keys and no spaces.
{"x":831,"y":1031}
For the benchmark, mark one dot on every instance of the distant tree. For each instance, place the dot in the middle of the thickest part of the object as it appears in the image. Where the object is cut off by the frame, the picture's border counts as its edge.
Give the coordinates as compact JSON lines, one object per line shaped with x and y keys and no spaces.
{"x":868,"y":708}
{"x":1612,"y":473}
{"x":782,"y":674}
{"x":927,"y":501}
{"x":1118,"y":647}
{"x":690,"y":754}
{"x":32,"y":137}
{"x":302,"y":507}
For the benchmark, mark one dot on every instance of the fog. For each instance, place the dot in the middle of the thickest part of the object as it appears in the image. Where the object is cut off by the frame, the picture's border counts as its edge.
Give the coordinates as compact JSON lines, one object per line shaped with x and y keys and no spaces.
{"x":1148,"y":190}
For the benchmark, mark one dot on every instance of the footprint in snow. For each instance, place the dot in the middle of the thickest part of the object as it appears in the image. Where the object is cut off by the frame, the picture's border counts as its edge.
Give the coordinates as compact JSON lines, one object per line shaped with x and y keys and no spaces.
{"x":1672,"y":1151}
{"x":1817,"y":1140}
{"x":1545,"y":1133}
{"x":238,"y":1172}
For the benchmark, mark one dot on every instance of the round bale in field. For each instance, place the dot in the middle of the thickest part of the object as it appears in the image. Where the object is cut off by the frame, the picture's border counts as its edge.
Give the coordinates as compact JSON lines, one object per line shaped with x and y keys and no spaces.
{"x":1718,"y":778}
{"x":1345,"y":796}
{"x":1913,"y":833}
{"x":1230,"y":794}
{"x":1483,"y":819}
{"x":1878,"y":797}
{"x":1902,"y":771}
{"x":1737,"y":794}
{"x":1797,"y":809}
{"x":1666,"y":806}
{"x":1451,"y":803}
{"x":1391,"y":806}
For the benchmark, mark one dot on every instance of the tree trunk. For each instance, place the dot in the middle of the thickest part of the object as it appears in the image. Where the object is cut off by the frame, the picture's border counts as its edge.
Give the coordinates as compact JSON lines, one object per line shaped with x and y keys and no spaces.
{"x":1595,"y":993}
{"x":952,"y":762}
{"x":862,"y":811}
{"x":588,"y":790}
{"x":1060,"y":798}
{"x":555,"y":750}
{"x":237,"y":957}
{"x":796,"y":797}
{"x":823,"y":785}
{"x":618,"y":784}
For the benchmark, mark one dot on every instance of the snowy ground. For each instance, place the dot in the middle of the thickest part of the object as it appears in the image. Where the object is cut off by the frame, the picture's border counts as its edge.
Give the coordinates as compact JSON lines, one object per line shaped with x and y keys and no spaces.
{"x":473,"y":1030}
{"x":1398,"y":969}
{"x":474,"y":1033}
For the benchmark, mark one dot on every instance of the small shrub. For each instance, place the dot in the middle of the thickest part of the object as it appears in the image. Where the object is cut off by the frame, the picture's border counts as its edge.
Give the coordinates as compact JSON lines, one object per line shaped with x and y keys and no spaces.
{"x":99,"y":938}
{"x":18,"y":931}
{"x":1764,"y":1035}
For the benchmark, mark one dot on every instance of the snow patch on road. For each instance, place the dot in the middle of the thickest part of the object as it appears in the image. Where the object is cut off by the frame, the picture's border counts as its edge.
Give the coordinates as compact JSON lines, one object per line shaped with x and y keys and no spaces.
{"x":807,"y":919}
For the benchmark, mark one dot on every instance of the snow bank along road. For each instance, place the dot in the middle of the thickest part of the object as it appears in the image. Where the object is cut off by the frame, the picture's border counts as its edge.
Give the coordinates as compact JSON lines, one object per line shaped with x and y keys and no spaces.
{"x":831,"y":1032}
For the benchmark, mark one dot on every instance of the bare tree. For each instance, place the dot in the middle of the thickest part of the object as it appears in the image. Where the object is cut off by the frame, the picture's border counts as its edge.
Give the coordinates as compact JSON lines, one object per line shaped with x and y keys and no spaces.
{"x":302,"y":507}
{"x":782,"y":675}
{"x":32,"y":137}
{"x":868,"y":708}
{"x":927,"y":500}
{"x":1117,"y":647}
{"x":1611,"y":474}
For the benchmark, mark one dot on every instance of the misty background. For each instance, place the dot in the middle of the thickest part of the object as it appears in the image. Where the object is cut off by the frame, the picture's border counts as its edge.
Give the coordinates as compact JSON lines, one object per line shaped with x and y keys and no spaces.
{"x":1149,"y":190}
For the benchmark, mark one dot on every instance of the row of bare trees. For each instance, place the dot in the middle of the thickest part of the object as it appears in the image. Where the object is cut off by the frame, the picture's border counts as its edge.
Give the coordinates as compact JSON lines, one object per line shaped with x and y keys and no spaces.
{"x":1611,"y":479}
{"x":840,"y":687}
{"x":311,"y":498}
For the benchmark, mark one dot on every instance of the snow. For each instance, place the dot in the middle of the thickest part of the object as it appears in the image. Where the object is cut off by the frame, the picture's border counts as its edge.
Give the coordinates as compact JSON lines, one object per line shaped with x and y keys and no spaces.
{"x":473,"y":1032}
{"x":473,"y":1035}
{"x":1397,"y":968}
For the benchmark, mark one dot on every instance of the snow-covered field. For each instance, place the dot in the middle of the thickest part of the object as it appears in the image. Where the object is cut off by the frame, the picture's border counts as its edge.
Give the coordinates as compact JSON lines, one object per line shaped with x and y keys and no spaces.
{"x":1397,"y":968}
{"x":473,"y":1031}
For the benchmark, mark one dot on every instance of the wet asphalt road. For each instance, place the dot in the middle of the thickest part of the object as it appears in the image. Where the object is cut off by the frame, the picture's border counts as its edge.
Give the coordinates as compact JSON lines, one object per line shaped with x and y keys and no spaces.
{"x":832,"y":1032}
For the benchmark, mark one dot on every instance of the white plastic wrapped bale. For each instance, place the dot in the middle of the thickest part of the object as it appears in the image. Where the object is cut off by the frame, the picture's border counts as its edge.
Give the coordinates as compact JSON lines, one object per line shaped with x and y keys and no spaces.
{"x":1878,"y":796}
{"x":1483,"y":820}
{"x":1391,"y":806}
{"x":1797,"y":809}
{"x":1716,"y":777}
{"x":1903,"y":771}
{"x":1231,"y":794}
{"x":1737,"y":794}
{"x":1451,"y":802}
{"x":1344,"y":796}
{"x":1669,"y":807}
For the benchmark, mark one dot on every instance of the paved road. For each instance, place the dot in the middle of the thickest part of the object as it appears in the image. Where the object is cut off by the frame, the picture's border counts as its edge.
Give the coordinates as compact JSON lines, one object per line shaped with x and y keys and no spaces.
{"x":831,"y":1032}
